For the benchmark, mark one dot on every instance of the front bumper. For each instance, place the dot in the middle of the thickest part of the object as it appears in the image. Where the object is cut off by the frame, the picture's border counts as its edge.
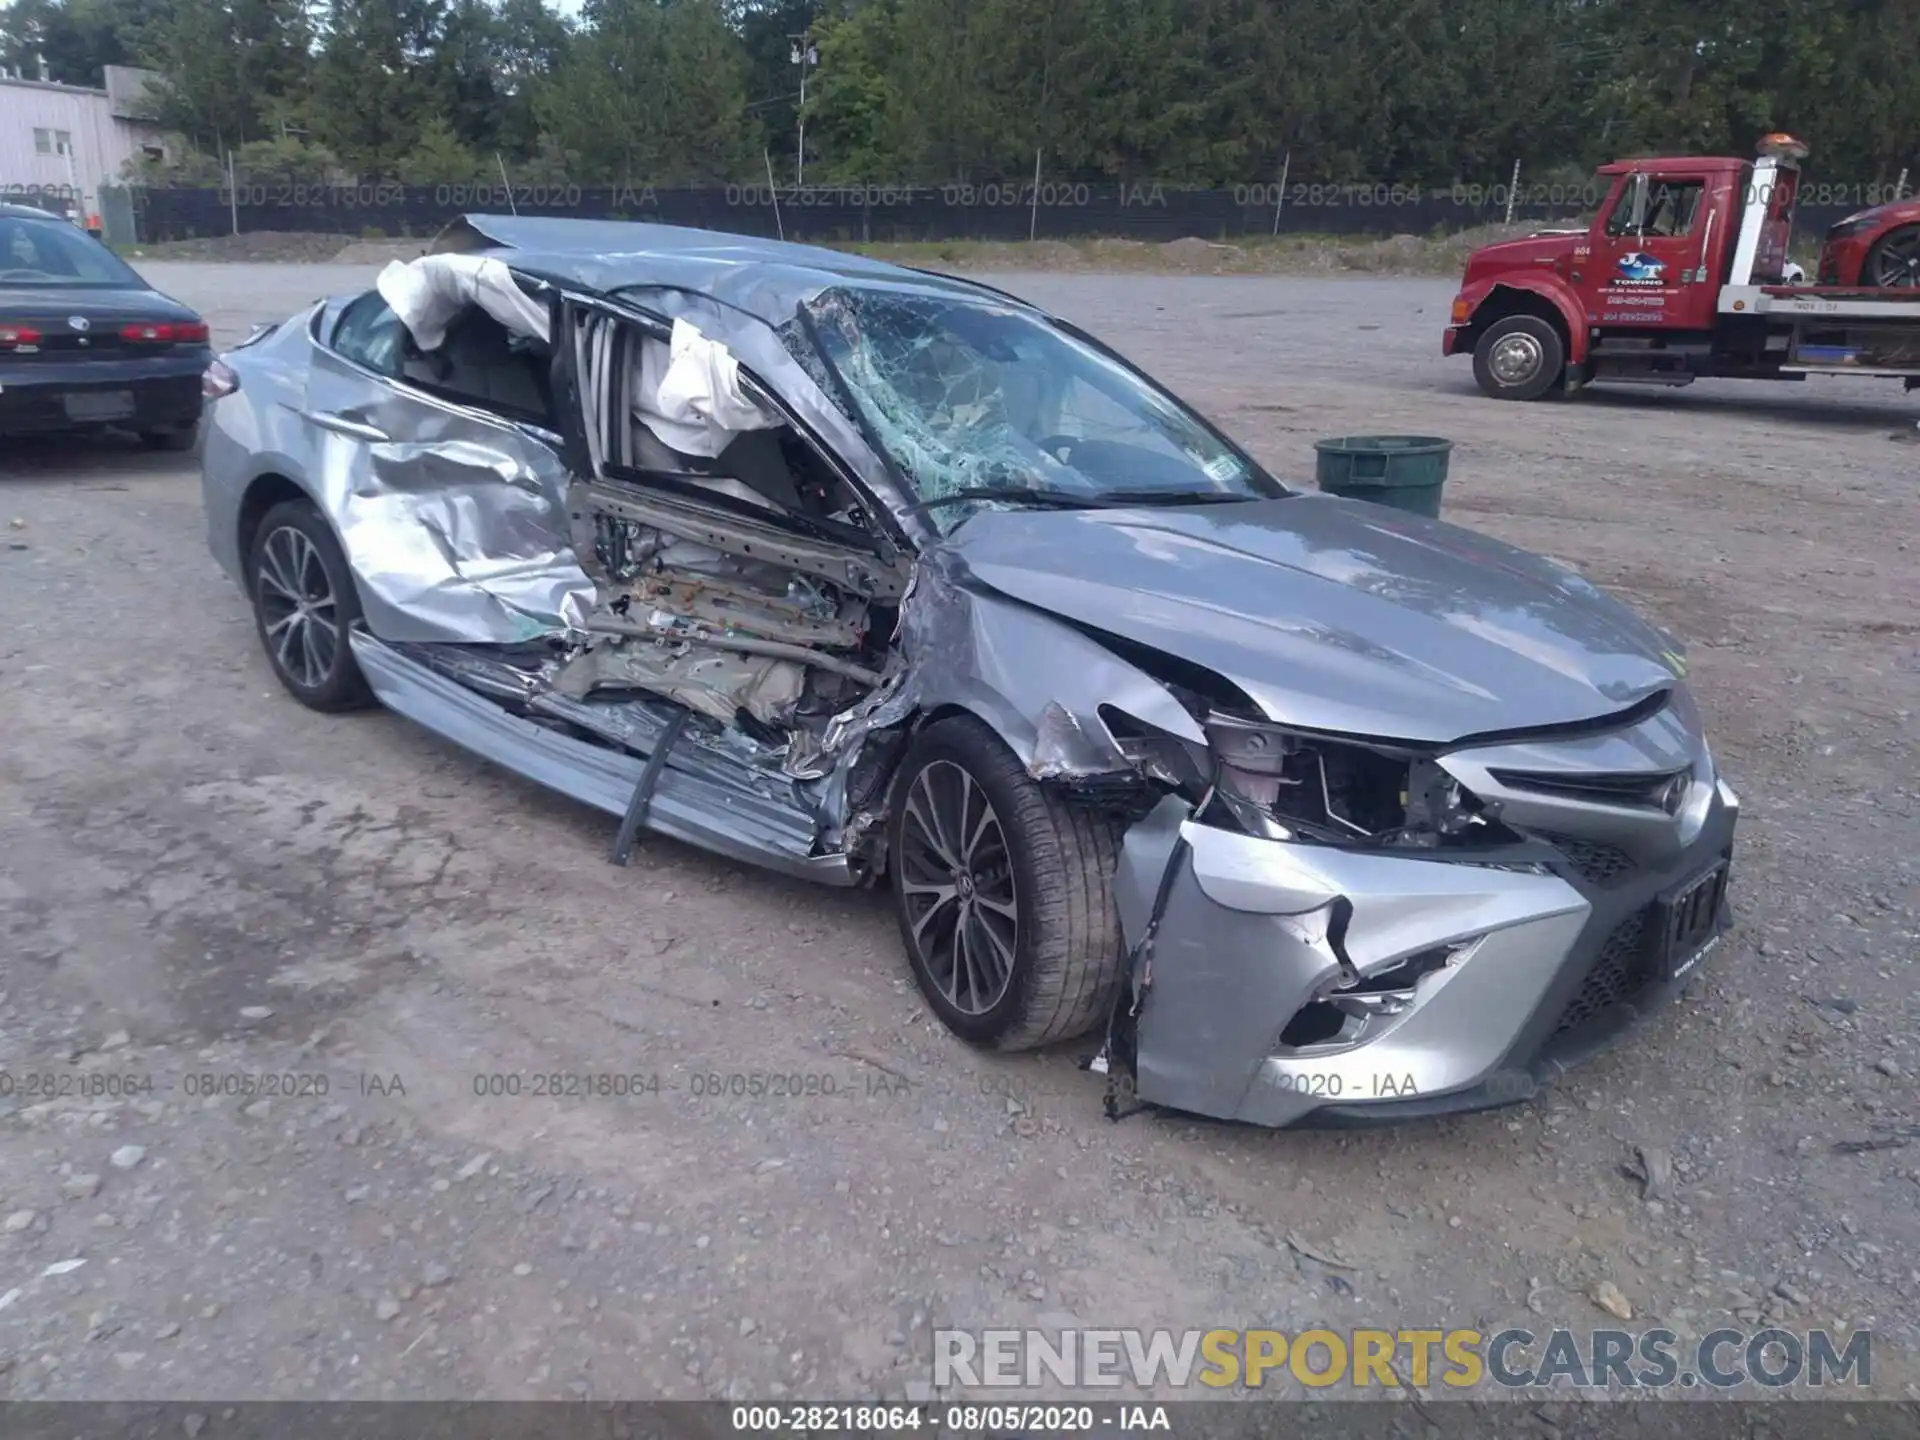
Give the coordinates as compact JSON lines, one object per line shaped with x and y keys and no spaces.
{"x":165,"y":389}
{"x":1539,"y":969}
{"x":1451,"y":340}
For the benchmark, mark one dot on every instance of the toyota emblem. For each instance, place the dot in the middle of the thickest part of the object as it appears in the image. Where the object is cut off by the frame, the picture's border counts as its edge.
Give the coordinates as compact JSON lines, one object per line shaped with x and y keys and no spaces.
{"x":1674,"y":794}
{"x":79,"y":322}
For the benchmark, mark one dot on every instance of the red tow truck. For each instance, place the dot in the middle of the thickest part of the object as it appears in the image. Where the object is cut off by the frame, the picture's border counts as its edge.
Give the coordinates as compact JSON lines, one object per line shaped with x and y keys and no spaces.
{"x":1683,"y":274}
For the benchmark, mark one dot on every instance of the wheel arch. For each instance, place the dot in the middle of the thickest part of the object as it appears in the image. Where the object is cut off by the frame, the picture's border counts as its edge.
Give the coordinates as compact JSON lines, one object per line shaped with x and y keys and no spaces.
{"x":1554,"y":304}
{"x":1041,"y":684}
{"x":1039,"y":681}
{"x":266,"y":490}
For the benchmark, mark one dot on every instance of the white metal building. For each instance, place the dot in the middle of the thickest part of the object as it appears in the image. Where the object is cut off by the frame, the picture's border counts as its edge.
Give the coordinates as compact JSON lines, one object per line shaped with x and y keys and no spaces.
{"x":67,"y":140}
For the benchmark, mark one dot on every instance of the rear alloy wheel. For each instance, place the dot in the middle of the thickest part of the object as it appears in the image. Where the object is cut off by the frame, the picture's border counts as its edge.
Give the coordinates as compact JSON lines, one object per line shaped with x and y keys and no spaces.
{"x":1519,"y":358}
{"x":304,"y":606}
{"x":1003,"y":893}
{"x":1894,"y":261}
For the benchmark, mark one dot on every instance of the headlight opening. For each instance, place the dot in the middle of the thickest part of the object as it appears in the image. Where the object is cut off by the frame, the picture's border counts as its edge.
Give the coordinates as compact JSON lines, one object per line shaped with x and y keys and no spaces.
{"x":1289,"y":785}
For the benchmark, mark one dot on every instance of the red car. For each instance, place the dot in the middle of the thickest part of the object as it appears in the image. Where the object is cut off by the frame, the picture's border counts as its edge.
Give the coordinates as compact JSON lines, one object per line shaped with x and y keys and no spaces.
{"x":1877,"y":248}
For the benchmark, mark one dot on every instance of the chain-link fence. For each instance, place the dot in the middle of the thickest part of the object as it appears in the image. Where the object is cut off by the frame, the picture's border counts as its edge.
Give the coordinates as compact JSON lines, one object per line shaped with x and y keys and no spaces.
{"x":1012,"y":210}
{"x":880,"y":212}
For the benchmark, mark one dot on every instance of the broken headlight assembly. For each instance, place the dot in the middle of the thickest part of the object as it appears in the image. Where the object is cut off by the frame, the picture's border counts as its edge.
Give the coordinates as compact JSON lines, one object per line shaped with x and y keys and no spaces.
{"x":1293,"y":785}
{"x":1282,"y":784}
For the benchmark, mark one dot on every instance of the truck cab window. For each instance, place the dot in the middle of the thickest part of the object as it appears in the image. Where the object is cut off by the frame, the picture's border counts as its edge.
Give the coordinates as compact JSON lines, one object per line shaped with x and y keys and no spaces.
{"x":1654,"y":207}
{"x":1672,"y":206}
{"x":1629,"y":209}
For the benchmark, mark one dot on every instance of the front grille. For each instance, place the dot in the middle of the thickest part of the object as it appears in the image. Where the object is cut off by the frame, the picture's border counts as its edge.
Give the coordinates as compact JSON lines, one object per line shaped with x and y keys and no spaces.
{"x":1594,"y":861}
{"x":1619,"y":974}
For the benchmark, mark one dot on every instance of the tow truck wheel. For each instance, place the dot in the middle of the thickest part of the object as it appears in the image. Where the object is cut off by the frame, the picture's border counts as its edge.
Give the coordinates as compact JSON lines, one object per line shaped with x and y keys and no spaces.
{"x":1519,"y":358}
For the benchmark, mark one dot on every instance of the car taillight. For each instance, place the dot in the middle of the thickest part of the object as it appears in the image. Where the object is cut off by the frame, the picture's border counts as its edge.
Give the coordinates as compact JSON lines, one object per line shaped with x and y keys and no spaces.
{"x":218,"y":380}
{"x":19,"y":335}
{"x":165,"y":332}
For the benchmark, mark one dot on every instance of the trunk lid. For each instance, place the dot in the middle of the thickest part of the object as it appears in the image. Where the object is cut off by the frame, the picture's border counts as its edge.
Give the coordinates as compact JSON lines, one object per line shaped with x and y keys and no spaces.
{"x":80,"y":323}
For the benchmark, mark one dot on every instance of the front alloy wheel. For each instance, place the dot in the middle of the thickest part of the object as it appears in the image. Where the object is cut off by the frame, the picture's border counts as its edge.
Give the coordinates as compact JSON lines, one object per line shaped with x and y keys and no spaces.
{"x":956,"y":882}
{"x":1003,"y":890}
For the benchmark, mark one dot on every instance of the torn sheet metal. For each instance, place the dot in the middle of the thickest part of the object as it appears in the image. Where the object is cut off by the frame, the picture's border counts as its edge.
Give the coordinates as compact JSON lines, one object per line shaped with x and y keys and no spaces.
{"x":709,"y":682}
{"x":455,"y":526}
{"x":1040,"y":684}
{"x":632,"y":721}
{"x":1244,"y":942}
{"x":454,"y":521}
{"x":428,"y":293}
{"x":688,"y":393}
{"x":703,"y":798}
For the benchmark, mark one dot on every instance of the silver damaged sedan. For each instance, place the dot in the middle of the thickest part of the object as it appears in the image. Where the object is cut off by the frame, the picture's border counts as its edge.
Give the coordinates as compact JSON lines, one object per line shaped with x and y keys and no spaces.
{"x":1295,"y":808}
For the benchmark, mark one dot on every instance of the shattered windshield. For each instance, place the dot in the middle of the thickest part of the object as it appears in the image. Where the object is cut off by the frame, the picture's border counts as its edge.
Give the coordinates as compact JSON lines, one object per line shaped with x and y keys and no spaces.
{"x":966,"y":396}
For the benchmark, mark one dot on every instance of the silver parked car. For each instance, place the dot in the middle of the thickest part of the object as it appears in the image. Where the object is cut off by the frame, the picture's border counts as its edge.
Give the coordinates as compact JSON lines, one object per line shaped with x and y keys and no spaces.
{"x":1303,"y":807}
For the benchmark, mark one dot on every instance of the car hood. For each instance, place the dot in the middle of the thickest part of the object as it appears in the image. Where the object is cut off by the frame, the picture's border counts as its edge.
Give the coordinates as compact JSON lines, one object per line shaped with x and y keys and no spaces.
{"x":1334,"y":614}
{"x":1508,"y":255}
{"x":1890,"y":212}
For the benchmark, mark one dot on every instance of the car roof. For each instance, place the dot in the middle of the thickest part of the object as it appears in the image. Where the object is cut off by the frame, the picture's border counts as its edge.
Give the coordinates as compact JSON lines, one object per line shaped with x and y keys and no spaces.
{"x":766,"y":278}
{"x":29,"y":212}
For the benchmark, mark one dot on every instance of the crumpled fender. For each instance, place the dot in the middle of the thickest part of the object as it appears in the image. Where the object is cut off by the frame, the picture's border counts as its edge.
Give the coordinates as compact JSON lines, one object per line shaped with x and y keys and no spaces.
{"x":1547,"y":286}
{"x":1035,"y":680}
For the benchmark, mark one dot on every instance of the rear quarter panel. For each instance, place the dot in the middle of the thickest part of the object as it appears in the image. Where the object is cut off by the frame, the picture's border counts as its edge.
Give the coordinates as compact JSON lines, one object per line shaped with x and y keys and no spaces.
{"x":255,"y":432}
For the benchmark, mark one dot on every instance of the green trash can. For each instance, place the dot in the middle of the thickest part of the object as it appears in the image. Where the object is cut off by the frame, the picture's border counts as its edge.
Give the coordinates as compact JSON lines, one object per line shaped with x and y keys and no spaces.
{"x":1404,"y":471}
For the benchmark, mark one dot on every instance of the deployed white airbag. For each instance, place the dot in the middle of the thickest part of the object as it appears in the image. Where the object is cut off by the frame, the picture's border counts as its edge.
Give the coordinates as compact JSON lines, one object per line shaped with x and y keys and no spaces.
{"x":688,"y":393}
{"x":429,"y":292}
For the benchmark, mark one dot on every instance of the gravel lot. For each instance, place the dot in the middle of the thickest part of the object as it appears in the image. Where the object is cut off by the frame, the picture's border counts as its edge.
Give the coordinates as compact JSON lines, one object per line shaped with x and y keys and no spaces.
{"x":202,"y":879}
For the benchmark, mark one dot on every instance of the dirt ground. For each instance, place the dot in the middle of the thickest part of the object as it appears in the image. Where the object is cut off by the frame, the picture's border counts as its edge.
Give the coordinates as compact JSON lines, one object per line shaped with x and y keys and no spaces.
{"x":203,"y":882}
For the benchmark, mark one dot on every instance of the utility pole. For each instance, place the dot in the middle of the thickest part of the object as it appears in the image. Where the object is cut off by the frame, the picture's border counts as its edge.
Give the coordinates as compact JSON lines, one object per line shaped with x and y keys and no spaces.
{"x":806,"y":55}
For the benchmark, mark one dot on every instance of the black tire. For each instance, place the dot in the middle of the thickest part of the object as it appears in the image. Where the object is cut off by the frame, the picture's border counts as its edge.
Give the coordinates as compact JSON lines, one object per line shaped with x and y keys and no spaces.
{"x":1065,"y":941}
{"x":1894,"y":260}
{"x":1521,"y":357}
{"x":179,"y":438}
{"x":294,"y":550}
